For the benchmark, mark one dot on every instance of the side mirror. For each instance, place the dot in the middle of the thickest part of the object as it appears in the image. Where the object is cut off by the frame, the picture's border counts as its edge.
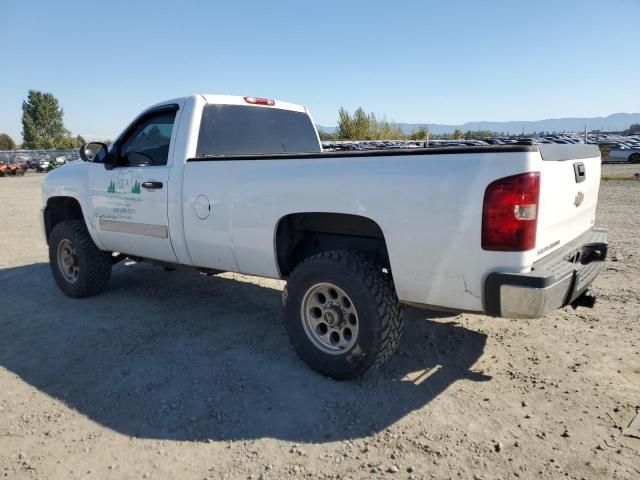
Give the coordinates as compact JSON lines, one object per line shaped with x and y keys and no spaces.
{"x":94,"y":152}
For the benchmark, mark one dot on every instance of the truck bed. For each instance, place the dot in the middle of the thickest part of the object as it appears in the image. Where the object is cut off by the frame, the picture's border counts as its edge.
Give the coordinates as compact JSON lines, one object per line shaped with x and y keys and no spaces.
{"x":428,"y":202}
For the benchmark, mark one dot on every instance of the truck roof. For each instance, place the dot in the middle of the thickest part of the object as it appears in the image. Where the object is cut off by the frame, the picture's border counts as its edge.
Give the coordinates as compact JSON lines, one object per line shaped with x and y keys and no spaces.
{"x":215,"y":99}
{"x":241,"y":100}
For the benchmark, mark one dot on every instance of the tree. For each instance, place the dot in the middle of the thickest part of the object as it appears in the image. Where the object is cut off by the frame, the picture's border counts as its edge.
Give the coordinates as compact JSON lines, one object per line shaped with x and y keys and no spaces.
{"x":345,"y":125}
{"x":480,"y":134}
{"x":634,"y":128}
{"x":384,"y":130}
{"x":457,"y":133}
{"x":361,"y":126}
{"x":6,"y":142}
{"x":42,"y":124}
{"x":67,"y":142}
{"x":420,"y":134}
{"x":326,"y":136}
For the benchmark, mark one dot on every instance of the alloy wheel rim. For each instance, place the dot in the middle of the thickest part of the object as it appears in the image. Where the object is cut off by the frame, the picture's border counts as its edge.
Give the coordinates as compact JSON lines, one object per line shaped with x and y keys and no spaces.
{"x":68,"y":261}
{"x":329,"y":318}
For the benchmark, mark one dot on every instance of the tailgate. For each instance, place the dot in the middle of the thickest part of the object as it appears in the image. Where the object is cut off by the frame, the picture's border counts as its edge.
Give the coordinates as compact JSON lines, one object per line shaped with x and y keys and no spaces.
{"x":569,"y":184}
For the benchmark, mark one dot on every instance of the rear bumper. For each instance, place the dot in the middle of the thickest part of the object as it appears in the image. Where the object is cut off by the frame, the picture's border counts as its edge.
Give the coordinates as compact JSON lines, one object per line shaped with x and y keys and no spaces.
{"x":554,"y":281}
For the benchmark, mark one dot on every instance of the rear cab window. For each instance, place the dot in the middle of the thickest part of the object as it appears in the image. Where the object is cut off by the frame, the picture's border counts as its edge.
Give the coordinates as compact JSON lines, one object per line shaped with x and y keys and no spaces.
{"x":247,"y":130}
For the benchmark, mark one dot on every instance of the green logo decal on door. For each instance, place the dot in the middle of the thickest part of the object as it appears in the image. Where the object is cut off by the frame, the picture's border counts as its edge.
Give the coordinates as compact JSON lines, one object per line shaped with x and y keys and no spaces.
{"x":125,"y":183}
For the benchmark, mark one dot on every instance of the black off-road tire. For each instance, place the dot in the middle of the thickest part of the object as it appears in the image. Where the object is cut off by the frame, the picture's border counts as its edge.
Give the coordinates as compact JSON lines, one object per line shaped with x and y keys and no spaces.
{"x":94,"y":265}
{"x":372,"y":293}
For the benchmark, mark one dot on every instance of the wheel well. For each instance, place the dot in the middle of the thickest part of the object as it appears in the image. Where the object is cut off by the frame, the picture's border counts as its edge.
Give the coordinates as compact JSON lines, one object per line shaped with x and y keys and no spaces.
{"x":60,"y":209}
{"x":301,"y":235}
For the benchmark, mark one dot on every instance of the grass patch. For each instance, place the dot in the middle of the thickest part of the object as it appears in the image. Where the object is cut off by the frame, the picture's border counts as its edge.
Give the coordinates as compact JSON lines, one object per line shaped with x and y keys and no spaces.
{"x":620,"y":177}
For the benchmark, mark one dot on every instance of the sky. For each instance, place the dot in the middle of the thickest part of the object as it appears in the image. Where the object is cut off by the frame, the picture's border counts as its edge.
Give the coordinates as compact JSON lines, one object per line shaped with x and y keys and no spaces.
{"x":410,"y":61}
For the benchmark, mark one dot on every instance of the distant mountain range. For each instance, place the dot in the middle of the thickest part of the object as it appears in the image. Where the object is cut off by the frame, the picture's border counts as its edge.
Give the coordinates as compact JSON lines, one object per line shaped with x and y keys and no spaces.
{"x":611,"y":123}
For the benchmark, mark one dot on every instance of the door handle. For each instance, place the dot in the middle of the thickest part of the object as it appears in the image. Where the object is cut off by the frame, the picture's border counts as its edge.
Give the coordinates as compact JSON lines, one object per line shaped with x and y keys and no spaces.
{"x":580,"y":172}
{"x":151,"y":185}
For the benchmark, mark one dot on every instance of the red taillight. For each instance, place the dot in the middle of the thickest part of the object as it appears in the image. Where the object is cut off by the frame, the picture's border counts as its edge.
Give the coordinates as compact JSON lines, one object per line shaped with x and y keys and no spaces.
{"x":260,"y":101}
{"x":510,"y":213}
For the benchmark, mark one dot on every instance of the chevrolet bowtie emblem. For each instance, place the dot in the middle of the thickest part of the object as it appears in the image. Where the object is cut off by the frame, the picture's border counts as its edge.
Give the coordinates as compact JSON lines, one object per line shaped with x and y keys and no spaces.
{"x":578,"y":200}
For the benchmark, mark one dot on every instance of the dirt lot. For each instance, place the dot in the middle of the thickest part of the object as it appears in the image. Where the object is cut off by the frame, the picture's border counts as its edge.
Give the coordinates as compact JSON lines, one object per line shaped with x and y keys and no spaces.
{"x":177,"y":375}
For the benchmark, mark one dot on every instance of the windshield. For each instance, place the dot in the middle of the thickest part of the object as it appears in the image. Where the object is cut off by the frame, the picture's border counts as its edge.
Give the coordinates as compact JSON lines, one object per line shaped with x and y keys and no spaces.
{"x":241,"y":130}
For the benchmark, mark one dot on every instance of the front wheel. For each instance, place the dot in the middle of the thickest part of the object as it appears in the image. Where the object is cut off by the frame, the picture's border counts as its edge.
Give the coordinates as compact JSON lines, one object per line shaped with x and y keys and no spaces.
{"x":78,"y":266}
{"x":635,"y":158}
{"x":342,"y":314}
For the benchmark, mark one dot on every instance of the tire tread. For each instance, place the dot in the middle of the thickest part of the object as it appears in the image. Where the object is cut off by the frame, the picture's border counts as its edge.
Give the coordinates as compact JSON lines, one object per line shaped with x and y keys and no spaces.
{"x":98,"y":264}
{"x":385,"y":300}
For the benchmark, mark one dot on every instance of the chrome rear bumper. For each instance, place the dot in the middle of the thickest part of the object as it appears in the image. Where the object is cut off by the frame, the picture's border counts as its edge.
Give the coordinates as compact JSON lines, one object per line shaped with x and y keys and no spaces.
{"x":555,"y":281}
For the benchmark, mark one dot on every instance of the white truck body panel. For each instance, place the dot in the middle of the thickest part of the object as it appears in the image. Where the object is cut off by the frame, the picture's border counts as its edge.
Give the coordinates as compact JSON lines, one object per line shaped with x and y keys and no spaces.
{"x":75,"y":183}
{"x":440,"y":263}
{"x":567,"y":208}
{"x":429,"y":207}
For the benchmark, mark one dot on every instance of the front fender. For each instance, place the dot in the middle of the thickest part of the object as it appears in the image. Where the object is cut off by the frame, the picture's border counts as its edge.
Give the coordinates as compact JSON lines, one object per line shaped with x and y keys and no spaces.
{"x":72,"y":180}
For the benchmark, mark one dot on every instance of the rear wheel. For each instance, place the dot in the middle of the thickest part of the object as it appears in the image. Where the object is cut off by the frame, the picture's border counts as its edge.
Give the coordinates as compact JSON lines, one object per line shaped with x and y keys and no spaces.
{"x":78,"y":266}
{"x":635,"y":158}
{"x":342,"y":314}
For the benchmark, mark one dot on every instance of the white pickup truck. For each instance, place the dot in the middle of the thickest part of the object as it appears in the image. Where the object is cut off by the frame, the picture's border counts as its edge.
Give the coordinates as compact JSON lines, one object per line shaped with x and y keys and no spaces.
{"x":226,"y":183}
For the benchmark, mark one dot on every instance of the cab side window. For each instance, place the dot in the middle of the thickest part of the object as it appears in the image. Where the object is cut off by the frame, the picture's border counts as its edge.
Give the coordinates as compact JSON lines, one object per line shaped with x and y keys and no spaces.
{"x":148,"y":141}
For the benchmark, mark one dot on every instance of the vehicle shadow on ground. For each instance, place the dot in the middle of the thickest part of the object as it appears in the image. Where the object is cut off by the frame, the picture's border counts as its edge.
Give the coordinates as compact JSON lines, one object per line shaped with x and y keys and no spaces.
{"x":181,"y":356}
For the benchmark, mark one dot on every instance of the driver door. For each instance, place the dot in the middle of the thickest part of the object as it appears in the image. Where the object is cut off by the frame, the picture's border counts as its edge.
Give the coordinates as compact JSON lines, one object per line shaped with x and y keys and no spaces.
{"x":130,"y":192}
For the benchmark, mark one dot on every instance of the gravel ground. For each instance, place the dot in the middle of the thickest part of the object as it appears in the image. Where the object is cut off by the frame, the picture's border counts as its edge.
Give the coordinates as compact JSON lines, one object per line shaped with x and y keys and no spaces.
{"x":179,"y":375}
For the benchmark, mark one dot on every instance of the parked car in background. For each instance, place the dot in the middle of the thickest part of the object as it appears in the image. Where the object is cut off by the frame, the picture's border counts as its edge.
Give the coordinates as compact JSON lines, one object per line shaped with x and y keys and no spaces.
{"x":619,"y":153}
{"x":31,"y":164}
{"x":42,"y":166}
